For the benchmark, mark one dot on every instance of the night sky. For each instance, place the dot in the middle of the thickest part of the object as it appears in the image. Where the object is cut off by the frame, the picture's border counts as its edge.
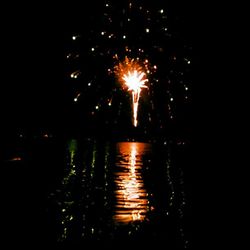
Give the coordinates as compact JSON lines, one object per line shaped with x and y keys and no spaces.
{"x":38,"y":93}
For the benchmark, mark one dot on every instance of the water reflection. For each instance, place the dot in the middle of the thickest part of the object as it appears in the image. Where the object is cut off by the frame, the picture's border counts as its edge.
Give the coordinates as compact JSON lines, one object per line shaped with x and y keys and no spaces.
{"x":127,"y":190}
{"x":131,"y":197}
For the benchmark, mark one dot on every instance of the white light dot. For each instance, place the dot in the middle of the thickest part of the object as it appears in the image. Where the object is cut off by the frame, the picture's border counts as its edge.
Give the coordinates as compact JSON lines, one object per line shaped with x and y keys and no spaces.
{"x":165,"y":29}
{"x":96,"y":107}
{"x":188,"y":62}
{"x":102,"y":33}
{"x":89,"y":84}
{"x":147,"y":30}
{"x":171,"y":99}
{"x":124,"y":37}
{"x":129,"y":19}
{"x":161,"y":11}
{"x":92,"y":49}
{"x":74,"y":37}
{"x":186,"y":88}
{"x":110,"y":104}
{"x":107,"y":5}
{"x":75,"y":99}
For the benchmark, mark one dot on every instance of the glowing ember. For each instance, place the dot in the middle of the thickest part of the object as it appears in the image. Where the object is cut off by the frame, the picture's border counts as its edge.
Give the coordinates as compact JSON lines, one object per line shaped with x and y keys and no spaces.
{"x":134,"y":78}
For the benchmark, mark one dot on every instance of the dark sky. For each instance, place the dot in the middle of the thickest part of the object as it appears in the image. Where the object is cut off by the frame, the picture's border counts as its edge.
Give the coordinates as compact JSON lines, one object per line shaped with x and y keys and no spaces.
{"x":32,"y":57}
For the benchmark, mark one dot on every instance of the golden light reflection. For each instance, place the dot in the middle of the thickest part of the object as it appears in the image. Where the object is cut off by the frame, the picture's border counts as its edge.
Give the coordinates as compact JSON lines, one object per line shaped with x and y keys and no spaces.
{"x":131,"y":197}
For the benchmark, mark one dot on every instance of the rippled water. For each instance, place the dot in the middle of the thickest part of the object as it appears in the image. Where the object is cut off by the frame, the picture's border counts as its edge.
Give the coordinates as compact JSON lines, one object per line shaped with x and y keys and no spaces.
{"x":132,"y":202}
{"x":120,"y":191}
{"x":100,"y":191}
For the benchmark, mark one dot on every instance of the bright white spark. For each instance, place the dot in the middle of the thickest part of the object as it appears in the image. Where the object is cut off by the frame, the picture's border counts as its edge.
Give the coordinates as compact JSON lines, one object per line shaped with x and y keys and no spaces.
{"x":134,"y":80}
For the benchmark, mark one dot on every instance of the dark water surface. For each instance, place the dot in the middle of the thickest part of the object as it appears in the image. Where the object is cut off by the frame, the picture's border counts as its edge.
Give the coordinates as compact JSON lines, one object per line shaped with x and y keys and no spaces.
{"x":86,"y":190}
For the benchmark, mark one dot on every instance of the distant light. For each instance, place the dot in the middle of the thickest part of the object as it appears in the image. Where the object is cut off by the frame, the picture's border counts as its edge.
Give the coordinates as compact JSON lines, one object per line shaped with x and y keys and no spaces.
{"x":16,"y":159}
{"x":161,"y":11}
{"x":129,"y":19}
{"x":74,"y":37}
{"x":102,"y":33}
{"x":75,"y":74}
{"x":155,"y":67}
{"x":186,"y":88}
{"x":96,"y":107}
{"x":165,"y":29}
{"x":92,"y":49}
{"x":75,"y":99}
{"x":147,"y":30}
{"x":110,"y":103}
{"x":124,"y":37}
{"x":89,"y":84}
{"x":107,"y":5}
{"x":171,"y":99}
{"x":148,"y":71}
{"x":188,"y":62}
{"x":45,"y":135}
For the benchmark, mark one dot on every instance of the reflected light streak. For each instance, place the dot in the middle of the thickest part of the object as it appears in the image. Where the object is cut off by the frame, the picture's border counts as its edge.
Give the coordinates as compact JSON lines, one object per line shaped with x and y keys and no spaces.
{"x":131,"y":197}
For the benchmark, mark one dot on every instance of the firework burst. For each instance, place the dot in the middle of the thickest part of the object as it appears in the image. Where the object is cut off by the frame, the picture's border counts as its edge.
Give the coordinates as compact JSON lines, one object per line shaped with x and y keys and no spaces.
{"x":133,"y":75}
